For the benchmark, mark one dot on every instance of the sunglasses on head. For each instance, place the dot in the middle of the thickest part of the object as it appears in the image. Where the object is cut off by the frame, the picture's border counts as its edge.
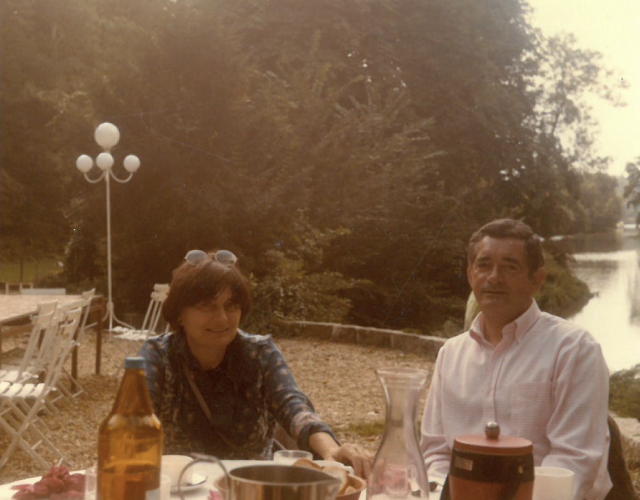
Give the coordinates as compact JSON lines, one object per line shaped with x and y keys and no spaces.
{"x":224,"y":257}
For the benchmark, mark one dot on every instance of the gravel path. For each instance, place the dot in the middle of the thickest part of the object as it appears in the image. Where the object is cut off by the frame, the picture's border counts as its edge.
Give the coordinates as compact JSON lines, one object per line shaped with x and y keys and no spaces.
{"x":339,"y":378}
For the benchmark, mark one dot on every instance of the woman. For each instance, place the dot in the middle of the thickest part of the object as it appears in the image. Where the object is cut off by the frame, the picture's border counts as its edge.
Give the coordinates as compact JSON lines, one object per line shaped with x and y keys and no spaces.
{"x":219,"y":390}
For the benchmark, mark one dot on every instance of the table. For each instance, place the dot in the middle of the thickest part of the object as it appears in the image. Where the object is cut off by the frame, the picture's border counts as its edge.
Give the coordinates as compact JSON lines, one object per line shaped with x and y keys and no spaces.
{"x":14,"y":308}
{"x":209,"y":470}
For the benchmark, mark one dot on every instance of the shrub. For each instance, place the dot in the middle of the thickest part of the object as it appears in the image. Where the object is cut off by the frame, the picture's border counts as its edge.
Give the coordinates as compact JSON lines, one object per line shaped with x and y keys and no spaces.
{"x":624,"y":392}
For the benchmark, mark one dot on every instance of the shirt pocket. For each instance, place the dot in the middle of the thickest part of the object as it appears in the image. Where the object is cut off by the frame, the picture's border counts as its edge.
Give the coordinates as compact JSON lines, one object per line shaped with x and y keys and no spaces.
{"x":530,"y":408}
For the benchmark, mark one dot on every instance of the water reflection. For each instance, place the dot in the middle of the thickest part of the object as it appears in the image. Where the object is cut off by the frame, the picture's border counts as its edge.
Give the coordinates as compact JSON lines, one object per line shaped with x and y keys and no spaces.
{"x":610,"y":265}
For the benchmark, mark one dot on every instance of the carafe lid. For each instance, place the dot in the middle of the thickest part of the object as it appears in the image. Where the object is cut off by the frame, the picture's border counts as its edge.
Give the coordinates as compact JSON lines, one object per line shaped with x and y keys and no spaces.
{"x":492,"y":443}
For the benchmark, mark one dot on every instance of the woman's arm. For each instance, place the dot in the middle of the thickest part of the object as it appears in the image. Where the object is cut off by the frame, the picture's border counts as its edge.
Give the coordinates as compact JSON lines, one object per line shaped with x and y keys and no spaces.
{"x":296,"y":415}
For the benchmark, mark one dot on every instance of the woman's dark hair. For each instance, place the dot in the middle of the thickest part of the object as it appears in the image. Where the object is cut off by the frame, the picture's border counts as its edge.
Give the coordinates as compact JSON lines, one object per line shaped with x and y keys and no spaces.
{"x":510,"y":228}
{"x":193,"y":284}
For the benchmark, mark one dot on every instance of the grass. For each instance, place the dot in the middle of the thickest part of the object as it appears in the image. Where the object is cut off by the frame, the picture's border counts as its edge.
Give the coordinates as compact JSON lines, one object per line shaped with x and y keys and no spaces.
{"x":366,"y":429}
{"x":32,"y":270}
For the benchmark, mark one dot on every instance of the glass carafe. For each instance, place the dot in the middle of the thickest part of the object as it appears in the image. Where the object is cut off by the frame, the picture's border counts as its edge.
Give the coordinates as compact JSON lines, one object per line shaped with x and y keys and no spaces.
{"x":398,"y":469}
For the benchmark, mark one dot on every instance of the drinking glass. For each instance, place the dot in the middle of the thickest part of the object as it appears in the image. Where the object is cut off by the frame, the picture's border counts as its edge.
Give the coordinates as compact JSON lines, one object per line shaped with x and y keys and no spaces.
{"x":289,"y":457}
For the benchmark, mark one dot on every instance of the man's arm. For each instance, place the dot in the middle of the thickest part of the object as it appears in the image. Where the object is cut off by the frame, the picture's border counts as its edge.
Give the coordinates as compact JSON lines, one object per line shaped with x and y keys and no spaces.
{"x":577,"y":429}
{"x":434,"y":447}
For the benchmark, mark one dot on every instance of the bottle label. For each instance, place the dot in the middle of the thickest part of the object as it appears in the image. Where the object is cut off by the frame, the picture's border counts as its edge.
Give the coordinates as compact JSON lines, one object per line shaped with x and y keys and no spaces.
{"x":153,"y":494}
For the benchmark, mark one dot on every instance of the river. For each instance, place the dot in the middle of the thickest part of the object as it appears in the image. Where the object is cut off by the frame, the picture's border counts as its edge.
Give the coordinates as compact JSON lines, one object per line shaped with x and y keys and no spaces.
{"x":610,"y":265}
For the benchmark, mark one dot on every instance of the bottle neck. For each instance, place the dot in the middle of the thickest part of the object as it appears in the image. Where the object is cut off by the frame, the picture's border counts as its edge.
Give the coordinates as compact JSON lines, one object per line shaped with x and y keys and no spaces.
{"x":133,"y":395}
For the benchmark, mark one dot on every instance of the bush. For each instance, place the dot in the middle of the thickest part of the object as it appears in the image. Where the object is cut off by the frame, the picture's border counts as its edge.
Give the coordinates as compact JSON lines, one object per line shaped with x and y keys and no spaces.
{"x":296,"y":287}
{"x":624,"y":392}
{"x":562,"y":294}
{"x":289,"y":291}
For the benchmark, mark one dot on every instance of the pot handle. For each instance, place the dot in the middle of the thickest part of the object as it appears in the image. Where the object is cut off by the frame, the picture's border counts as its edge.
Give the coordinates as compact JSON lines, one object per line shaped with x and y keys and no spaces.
{"x":198,"y":458}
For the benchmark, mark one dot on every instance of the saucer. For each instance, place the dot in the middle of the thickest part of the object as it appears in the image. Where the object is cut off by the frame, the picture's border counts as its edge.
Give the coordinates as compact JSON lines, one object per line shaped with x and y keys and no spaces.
{"x":196,"y":482}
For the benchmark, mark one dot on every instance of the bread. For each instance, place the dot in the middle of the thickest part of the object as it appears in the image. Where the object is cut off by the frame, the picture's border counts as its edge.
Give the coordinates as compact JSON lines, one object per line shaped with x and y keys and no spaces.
{"x":333,"y":470}
{"x":340,"y":474}
{"x":305,"y":462}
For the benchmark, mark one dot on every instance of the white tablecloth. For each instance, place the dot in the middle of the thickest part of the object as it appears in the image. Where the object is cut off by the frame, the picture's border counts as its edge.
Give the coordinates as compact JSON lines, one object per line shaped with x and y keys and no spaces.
{"x":211,"y":471}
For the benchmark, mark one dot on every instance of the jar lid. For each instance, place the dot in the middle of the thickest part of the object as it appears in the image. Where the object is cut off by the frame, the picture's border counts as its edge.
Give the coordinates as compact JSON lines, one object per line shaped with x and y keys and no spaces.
{"x":491,"y":443}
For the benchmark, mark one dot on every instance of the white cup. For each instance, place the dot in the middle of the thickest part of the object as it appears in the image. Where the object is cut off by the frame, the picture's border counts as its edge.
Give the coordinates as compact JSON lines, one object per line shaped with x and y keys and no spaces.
{"x":91,"y":483}
{"x":165,"y":487}
{"x":172,"y":466}
{"x":288,"y":457}
{"x":553,"y":483}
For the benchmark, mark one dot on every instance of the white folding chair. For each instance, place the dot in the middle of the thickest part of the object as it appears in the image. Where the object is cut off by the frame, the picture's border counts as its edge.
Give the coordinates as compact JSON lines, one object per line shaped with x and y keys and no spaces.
{"x":149,"y":327}
{"x":84,"y":304}
{"x":20,"y":404}
{"x":70,"y":314}
{"x":31,"y":367}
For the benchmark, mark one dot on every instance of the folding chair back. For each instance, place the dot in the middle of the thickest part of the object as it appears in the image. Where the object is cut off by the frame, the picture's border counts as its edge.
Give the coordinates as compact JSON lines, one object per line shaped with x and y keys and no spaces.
{"x":133,"y":337}
{"x":62,"y":345}
{"x":151,"y":318}
{"x":46,"y":350}
{"x":84,"y":304}
{"x":87,"y":297}
{"x":154,"y":311}
{"x":30,"y":367}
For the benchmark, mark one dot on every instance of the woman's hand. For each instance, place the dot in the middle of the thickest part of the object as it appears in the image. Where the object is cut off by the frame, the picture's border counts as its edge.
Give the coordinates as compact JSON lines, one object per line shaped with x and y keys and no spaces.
{"x":349,"y":454}
{"x":355,"y":456}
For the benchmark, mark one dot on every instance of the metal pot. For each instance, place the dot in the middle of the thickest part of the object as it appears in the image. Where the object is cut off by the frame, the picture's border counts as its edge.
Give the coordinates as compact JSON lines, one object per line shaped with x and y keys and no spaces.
{"x":490,"y":467}
{"x":272,"y":482}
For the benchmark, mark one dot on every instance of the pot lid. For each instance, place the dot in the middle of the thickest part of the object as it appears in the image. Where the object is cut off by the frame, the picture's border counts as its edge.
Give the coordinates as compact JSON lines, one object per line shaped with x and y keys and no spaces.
{"x":492,"y":443}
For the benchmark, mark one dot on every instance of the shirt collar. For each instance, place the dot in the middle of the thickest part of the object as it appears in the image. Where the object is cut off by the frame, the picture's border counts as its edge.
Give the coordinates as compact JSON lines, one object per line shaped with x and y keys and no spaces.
{"x":519,"y":327}
{"x":236,"y":362}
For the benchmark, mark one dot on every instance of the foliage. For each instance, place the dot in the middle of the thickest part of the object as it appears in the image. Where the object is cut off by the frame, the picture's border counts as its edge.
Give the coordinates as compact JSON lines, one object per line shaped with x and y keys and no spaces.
{"x":565,"y":78}
{"x":32,"y":270}
{"x":562,"y":293}
{"x":602,"y":204}
{"x":294,"y":286}
{"x":395,"y":137}
{"x":44,"y":100}
{"x":624,"y":392}
{"x":632,"y":189}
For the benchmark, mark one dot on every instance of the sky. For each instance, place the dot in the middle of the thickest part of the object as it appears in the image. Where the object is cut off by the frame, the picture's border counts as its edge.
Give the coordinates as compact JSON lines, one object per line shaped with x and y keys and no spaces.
{"x":611,"y":27}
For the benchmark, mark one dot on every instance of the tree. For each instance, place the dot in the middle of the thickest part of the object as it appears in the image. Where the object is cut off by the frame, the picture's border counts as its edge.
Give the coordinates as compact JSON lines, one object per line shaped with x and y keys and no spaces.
{"x":47,"y":62}
{"x":601,"y":202}
{"x":395,"y":127}
{"x":632,"y":189}
{"x":564,"y":79}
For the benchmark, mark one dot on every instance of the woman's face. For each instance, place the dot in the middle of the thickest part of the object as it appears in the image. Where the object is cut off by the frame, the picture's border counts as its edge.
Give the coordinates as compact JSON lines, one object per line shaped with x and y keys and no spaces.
{"x":213,"y":324}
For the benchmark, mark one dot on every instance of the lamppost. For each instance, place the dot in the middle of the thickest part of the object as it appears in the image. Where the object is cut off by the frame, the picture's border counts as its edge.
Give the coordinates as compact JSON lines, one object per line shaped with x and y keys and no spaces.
{"x":107,"y":136}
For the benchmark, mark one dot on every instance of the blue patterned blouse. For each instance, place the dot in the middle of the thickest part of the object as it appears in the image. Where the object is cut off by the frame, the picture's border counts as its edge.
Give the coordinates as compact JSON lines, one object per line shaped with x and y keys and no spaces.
{"x":247,"y":393}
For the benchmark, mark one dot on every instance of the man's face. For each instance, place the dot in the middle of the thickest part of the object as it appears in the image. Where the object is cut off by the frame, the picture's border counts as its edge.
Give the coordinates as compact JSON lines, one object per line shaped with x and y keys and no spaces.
{"x":499,"y":277}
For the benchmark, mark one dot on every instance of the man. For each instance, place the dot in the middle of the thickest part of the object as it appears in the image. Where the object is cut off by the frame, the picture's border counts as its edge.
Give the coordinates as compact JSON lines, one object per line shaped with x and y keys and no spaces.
{"x":540,"y":377}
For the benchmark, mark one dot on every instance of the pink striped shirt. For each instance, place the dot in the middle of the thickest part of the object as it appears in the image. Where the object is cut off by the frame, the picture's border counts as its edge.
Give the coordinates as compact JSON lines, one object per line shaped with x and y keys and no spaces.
{"x":546,"y":381}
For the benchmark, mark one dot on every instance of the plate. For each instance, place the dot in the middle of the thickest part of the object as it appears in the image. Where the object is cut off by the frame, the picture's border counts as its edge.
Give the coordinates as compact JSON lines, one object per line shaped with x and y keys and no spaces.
{"x":196,"y":482}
